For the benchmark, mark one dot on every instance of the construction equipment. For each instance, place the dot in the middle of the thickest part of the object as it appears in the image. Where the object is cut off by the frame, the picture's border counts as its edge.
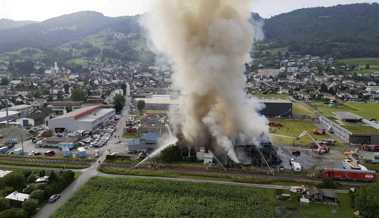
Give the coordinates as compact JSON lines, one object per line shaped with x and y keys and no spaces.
{"x":319,"y":148}
{"x":319,"y":131}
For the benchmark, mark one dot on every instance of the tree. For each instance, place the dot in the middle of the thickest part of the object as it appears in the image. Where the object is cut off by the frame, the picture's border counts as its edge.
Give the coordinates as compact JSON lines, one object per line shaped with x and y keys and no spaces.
{"x":367,"y":201}
{"x":4,"y":204}
{"x":30,"y":206}
{"x":79,"y":94}
{"x":141,"y":105}
{"x":124,"y":88}
{"x":171,"y":154}
{"x":15,"y":180}
{"x":119,"y":103}
{"x":4,"y":81}
{"x":39,"y":195}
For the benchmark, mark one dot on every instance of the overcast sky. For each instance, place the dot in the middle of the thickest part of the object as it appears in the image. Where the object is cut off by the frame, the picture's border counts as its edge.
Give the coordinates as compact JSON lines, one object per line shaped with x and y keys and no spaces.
{"x":39,"y":10}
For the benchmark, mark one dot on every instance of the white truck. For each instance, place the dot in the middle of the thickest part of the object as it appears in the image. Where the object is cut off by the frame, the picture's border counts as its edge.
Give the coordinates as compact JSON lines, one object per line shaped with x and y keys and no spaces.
{"x":295,"y":166}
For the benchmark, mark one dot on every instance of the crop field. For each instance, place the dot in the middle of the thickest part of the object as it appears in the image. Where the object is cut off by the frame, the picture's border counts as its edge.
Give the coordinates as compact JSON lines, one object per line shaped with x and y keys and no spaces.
{"x":116,"y":197}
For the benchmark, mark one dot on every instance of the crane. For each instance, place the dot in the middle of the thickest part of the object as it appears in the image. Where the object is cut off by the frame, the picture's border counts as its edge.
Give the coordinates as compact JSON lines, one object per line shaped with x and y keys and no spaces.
{"x":320,"y":149}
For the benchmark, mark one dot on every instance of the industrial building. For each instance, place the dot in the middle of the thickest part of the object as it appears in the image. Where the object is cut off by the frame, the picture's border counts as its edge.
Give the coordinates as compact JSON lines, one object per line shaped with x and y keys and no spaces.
{"x":87,"y":118}
{"x":276,"y":108}
{"x":273,"y":107}
{"x":351,"y":128}
{"x":158,"y":102}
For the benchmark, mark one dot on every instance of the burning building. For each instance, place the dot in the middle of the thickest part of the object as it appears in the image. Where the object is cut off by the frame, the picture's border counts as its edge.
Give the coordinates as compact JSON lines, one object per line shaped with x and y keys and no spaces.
{"x":208,"y":43}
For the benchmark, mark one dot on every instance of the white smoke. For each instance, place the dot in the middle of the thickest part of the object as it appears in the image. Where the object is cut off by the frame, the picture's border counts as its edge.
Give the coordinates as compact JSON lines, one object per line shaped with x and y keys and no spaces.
{"x":208,"y":42}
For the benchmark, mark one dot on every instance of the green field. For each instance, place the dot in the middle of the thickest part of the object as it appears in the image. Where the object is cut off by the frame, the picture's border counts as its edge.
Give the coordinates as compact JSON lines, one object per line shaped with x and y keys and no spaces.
{"x":292,"y":129}
{"x":301,"y":109}
{"x":120,"y":197}
{"x":362,"y":62}
{"x":366,"y":110}
{"x":111,"y":197}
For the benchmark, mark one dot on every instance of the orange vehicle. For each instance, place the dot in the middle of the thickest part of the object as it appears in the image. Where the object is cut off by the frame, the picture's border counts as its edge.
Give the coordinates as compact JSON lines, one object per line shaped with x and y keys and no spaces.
{"x":319,"y":131}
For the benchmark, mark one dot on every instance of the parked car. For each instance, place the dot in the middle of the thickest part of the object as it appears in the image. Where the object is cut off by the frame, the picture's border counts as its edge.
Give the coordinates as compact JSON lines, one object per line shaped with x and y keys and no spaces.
{"x":54,"y":198}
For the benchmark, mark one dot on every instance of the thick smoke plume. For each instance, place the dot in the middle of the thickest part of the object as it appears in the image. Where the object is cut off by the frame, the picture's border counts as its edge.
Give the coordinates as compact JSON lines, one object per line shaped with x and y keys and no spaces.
{"x":208,"y":42}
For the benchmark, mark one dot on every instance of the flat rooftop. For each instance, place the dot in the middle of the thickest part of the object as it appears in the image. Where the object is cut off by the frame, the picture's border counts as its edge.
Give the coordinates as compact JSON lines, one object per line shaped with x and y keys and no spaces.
{"x":3,"y":114}
{"x":97,"y":114}
{"x":159,"y":99}
{"x":77,"y":114}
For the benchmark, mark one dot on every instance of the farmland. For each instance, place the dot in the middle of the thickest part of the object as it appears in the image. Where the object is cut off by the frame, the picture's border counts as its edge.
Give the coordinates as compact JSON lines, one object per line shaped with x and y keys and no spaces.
{"x":111,"y":197}
{"x":121,"y":197}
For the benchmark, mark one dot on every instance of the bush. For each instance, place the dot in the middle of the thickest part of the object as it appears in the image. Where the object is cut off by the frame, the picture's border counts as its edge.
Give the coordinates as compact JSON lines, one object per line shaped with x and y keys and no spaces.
{"x":13,"y":213}
{"x":30,"y":206}
{"x":39,"y":195}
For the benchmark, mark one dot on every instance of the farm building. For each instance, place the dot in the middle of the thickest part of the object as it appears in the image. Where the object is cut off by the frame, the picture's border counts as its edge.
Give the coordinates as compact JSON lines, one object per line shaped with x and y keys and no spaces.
{"x":87,"y":118}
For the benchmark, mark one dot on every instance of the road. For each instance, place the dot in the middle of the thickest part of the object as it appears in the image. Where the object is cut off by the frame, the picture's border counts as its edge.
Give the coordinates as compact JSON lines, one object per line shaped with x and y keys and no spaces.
{"x":86,"y":174}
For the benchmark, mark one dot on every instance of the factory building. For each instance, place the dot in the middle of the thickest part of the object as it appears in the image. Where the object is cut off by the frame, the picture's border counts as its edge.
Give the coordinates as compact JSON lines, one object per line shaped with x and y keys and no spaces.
{"x":273,"y":108}
{"x":158,"y":102}
{"x":87,"y":118}
{"x":276,"y":108}
{"x":351,"y":128}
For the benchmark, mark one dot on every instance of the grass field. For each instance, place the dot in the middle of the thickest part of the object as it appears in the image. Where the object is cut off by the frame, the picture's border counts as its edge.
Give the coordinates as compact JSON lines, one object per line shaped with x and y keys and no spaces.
{"x":366,"y":110}
{"x":301,"y":109}
{"x":110,"y":197}
{"x":292,"y":129}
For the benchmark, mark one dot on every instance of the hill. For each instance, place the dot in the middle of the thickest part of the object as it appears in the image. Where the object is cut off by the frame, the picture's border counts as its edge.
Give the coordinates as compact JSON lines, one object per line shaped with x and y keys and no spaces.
{"x":341,"y":31}
{"x":9,"y":24}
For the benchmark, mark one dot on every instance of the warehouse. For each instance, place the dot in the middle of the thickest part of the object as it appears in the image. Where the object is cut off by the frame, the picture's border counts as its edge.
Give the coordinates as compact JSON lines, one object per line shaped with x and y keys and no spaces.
{"x":87,"y":118}
{"x":158,"y":102}
{"x":276,"y":108}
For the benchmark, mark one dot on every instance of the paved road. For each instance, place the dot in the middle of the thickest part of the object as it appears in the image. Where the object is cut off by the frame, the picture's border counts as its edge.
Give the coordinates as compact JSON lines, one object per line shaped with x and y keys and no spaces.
{"x":49,"y":209}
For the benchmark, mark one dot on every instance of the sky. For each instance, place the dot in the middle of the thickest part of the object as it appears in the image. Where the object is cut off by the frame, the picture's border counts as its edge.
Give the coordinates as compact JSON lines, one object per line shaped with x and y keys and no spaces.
{"x":39,"y":10}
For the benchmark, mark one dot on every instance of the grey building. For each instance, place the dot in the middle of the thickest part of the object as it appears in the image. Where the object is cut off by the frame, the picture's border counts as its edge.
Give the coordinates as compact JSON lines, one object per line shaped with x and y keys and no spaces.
{"x":277,"y":108}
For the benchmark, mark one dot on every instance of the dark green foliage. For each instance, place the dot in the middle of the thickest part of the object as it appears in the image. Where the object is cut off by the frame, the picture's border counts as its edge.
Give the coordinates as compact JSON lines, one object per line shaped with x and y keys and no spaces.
{"x":30,"y":206}
{"x":15,"y":180}
{"x":79,"y":94}
{"x":108,"y":197}
{"x":340,"y":31}
{"x":38,"y":195}
{"x":4,"y":204}
{"x":119,"y":103}
{"x":141,"y":105}
{"x":171,"y":154}
{"x":4,"y":81}
{"x":13,"y":213}
{"x":367,"y":201}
